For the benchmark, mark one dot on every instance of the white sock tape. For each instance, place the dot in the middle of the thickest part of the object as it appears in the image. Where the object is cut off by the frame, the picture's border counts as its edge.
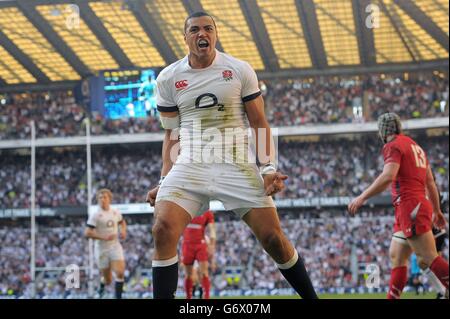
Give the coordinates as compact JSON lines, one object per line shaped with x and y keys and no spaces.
{"x":290,"y":263}
{"x":166,"y":262}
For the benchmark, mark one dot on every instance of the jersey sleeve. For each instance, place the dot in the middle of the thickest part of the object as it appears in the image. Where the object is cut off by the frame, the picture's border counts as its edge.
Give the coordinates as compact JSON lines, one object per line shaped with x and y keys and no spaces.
{"x":119,"y":216}
{"x":391,"y":154}
{"x":250,"y":87}
{"x":92,"y":221}
{"x":165,"y":95}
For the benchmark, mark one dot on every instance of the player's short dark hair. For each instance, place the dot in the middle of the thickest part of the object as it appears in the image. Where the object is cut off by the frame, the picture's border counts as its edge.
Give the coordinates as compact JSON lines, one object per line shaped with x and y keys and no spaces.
{"x":197,"y":15}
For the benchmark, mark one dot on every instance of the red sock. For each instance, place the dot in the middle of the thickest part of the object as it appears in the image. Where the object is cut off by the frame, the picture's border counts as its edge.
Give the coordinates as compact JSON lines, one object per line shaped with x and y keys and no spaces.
{"x":205,"y":286}
{"x":188,"y":283}
{"x":397,"y":283}
{"x":439,"y":267}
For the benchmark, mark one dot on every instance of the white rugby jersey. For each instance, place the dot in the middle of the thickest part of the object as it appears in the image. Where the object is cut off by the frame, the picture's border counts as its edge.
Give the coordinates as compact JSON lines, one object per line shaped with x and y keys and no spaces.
{"x":105,"y":223}
{"x":212,"y":97}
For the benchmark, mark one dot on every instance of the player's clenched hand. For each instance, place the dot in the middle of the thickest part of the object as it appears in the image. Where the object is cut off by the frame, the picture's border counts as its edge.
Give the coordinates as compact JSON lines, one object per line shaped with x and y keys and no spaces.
{"x":151,"y":196}
{"x":355,"y":204}
{"x":274,"y":183}
{"x":439,"y":220}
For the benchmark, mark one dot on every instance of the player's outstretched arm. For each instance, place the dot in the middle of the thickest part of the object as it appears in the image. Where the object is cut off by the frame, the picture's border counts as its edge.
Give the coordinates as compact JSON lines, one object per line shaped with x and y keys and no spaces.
{"x":265,"y":148}
{"x":433,"y":195}
{"x":380,"y":184}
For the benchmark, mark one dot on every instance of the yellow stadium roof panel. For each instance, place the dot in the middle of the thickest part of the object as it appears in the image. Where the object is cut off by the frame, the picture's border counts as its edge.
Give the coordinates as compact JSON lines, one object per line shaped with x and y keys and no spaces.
{"x":170,"y":16}
{"x":338,"y":31}
{"x":436,"y":10}
{"x":128,"y":33}
{"x":423,"y":46}
{"x":30,"y":41}
{"x":388,"y":43}
{"x":285,"y":33}
{"x":234,"y":33}
{"x":11,"y":71}
{"x":78,"y":37}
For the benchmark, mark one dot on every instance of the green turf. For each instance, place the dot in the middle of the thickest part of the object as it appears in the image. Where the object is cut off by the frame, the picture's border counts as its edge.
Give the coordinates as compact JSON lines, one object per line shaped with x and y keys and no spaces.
{"x":406,"y":295}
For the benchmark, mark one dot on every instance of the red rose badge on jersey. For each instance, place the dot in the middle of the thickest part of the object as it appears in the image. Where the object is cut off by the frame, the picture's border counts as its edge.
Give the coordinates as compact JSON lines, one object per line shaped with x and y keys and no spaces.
{"x":227,"y":75}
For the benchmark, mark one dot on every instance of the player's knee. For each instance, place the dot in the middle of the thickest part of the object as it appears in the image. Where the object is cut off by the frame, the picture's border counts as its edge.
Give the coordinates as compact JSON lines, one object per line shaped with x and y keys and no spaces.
{"x":204,"y":273}
{"x":162,"y":232}
{"x":272,"y":240}
{"x":107,"y":279}
{"x":120,"y":275}
{"x":424,"y":262}
{"x":395,"y":260}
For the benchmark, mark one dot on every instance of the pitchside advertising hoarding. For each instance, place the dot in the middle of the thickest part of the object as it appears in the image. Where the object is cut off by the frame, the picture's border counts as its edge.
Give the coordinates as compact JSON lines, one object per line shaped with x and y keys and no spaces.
{"x":144,"y":208}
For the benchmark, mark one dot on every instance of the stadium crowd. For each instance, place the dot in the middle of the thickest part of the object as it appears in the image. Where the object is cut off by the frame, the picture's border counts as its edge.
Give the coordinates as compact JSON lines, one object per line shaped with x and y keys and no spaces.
{"x":288,"y":102}
{"x":321,"y":169}
{"x":341,"y":100}
{"x":336,"y":250}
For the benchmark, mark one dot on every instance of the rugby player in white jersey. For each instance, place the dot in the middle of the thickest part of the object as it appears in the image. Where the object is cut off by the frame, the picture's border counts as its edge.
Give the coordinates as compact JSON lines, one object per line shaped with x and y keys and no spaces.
{"x":202,"y":96}
{"x":103,"y":226}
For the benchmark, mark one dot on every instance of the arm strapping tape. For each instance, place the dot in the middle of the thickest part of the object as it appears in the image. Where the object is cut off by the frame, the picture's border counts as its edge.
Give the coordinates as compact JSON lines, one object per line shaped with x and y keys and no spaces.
{"x":170,"y":123}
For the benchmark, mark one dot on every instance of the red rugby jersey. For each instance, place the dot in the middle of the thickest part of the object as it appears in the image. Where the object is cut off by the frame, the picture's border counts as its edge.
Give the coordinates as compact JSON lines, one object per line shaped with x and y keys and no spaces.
{"x":195,"y":230}
{"x":411,"y":178}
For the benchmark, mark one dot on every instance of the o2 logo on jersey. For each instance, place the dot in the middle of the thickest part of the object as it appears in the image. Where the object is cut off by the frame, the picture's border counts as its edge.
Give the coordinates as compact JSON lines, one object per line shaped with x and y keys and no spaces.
{"x":110,"y":224}
{"x":181,"y":85}
{"x":372,"y":276}
{"x":207,"y":100}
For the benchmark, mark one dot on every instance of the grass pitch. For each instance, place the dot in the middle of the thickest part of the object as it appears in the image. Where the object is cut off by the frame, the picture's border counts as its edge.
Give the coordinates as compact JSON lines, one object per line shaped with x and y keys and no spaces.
{"x":405,"y":295}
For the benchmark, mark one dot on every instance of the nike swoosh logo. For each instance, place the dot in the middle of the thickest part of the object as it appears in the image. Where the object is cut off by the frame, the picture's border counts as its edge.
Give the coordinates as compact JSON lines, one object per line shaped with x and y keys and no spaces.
{"x":415,"y":211}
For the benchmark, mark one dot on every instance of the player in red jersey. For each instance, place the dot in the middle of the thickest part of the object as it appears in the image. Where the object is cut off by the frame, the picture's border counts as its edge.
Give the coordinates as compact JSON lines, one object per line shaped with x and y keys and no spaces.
{"x":195,"y":247}
{"x":406,"y":167}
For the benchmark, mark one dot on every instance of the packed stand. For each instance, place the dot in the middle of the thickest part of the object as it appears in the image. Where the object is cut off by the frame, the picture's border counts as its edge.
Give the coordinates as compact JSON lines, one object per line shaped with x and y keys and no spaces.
{"x":55,"y":114}
{"x":323,"y":169}
{"x":335,"y":249}
{"x":319,"y":100}
{"x":419,"y":97}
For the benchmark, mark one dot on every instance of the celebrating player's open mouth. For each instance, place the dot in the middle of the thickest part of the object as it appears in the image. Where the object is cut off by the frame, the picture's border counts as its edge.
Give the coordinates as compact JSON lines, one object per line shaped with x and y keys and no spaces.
{"x":203,"y":44}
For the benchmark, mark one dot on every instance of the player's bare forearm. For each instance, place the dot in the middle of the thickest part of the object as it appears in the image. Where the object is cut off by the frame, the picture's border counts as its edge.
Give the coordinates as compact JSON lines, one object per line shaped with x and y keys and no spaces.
{"x":168,"y":145}
{"x":379,"y":185}
{"x":169,"y":156}
{"x":265,"y":149}
{"x":92,"y":233}
{"x":383,"y":181}
{"x":432,"y":191}
{"x":123,"y":229}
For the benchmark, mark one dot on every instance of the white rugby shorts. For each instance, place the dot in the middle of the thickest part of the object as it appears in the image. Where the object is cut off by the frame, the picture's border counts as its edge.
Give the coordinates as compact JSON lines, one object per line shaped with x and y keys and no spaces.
{"x":104,"y":257}
{"x":240,"y":187}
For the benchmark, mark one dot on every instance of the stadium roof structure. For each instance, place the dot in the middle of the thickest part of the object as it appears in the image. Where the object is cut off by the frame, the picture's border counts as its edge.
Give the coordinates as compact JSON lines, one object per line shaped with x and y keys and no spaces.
{"x":58,"y":42}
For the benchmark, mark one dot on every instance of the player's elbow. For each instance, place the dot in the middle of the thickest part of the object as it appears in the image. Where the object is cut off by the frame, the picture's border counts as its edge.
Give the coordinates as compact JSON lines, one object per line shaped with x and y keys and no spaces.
{"x":88,"y":233}
{"x":388,"y":178}
{"x":258,"y":122}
